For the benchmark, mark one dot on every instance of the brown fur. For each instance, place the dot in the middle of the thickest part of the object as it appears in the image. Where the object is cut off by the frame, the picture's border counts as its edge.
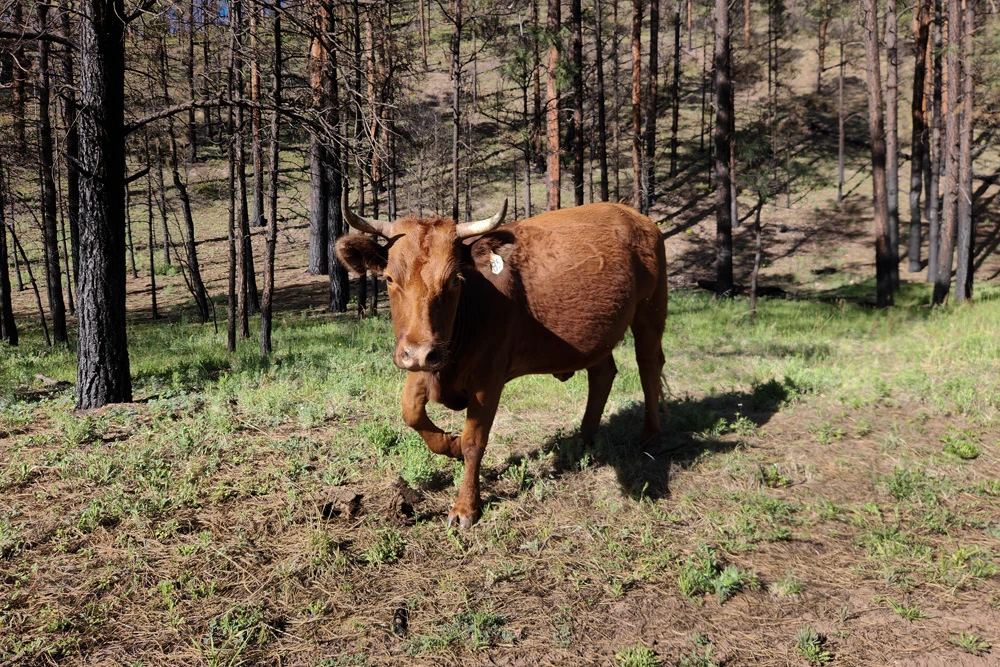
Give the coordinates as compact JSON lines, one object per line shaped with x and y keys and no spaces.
{"x":573,"y":282}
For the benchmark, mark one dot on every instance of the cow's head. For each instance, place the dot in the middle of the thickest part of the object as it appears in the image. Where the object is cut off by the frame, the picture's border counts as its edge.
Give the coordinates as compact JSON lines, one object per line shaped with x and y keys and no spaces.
{"x":422,"y":269}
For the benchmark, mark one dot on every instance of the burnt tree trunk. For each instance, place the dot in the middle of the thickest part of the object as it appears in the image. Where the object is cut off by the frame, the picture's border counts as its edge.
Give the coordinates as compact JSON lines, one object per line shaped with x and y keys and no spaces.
{"x":151,"y":244}
{"x":675,"y":89}
{"x":892,"y":138}
{"x":318,"y":231}
{"x":723,"y":191}
{"x":72,"y":146}
{"x":552,"y":108}
{"x":652,"y":97}
{"x":637,"y":165}
{"x":821,"y":50}
{"x":456,"y":106}
{"x":921,"y":31}
{"x":576,"y":21}
{"x":616,"y":101}
{"x":19,"y":97}
{"x":950,"y":150}
{"x":933,"y":187}
{"x":18,"y":250}
{"x":192,"y":126}
{"x":537,"y":140}
{"x":8,"y":327}
{"x":876,"y":128}
{"x":336,"y":227}
{"x":103,"y":363}
{"x":966,"y":225}
{"x":602,"y":119}
{"x":50,"y":228}
{"x":271,"y":236}
{"x":256,"y":144}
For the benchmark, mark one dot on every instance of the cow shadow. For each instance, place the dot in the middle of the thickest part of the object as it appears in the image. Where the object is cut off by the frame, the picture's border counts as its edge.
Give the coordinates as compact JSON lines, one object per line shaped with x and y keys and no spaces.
{"x":693,"y":428}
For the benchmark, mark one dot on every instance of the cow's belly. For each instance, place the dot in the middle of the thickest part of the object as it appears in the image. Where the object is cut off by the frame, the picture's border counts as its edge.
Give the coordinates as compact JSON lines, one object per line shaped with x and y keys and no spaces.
{"x":570,"y":330}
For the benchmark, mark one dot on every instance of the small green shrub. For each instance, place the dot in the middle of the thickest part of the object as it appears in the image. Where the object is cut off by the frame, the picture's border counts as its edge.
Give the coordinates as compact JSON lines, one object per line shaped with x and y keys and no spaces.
{"x":809,"y":645}
{"x":701,"y":574}
{"x":970,"y":643}
{"x":637,"y":656}
{"x":387,"y":548}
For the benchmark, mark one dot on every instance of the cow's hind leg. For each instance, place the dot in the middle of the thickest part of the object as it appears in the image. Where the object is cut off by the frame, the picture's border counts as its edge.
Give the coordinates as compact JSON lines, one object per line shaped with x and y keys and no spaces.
{"x":600,"y":376}
{"x":647,"y":329}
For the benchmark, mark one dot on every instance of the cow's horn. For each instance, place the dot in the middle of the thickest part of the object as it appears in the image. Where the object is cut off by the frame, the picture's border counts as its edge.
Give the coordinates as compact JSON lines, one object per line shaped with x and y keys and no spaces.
{"x":467,"y":229}
{"x":361,"y":223}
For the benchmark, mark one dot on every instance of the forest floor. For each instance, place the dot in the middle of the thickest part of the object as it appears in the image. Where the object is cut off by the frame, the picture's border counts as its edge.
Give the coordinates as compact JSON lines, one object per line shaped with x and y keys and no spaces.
{"x":826,"y":490}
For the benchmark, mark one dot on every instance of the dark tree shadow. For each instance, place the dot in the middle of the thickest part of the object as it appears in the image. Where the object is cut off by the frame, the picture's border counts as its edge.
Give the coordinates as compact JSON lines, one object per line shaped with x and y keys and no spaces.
{"x":692,"y":429}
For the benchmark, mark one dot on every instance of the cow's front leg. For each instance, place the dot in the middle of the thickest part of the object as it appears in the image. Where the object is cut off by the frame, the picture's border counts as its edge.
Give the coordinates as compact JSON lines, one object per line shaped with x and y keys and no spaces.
{"x":478,"y":421}
{"x":415,"y":397}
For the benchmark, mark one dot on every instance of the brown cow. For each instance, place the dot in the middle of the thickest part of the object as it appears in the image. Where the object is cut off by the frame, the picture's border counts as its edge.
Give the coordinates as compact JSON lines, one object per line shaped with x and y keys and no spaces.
{"x":475,"y":306}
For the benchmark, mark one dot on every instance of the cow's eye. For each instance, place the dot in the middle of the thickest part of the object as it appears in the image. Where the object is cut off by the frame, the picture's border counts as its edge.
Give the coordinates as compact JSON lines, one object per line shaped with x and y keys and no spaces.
{"x":455,"y":281}
{"x":388,"y":280}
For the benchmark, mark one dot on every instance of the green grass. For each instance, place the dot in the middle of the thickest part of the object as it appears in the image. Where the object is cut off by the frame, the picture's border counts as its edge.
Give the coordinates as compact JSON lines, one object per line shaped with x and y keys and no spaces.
{"x":216,"y":482}
{"x":809,"y":646}
{"x":970,"y":643}
{"x":637,"y":656}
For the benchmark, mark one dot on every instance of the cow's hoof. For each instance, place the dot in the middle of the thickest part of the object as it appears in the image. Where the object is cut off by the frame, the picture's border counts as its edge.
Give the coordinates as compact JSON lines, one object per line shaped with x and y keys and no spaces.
{"x":461,"y":520}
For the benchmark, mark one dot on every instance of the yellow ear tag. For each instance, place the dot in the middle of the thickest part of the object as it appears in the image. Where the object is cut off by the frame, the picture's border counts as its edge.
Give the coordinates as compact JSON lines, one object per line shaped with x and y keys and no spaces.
{"x":496,"y":263}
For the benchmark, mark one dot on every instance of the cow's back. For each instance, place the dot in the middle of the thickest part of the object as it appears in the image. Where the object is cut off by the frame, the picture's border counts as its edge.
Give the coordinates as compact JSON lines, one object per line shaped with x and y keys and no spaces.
{"x":583,"y":272}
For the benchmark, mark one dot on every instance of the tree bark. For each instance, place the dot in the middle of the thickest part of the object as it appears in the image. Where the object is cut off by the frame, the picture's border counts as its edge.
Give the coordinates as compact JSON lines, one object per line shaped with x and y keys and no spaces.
{"x":536,"y":84}
{"x":616,"y":100}
{"x":576,"y":21}
{"x":921,"y":31}
{"x":423,"y":33}
{"x":192,"y":127}
{"x":966,"y":225}
{"x":637,"y":165}
{"x":821,"y":51}
{"x":723,"y":193}
{"x":256,"y":143}
{"x":34,"y":286}
{"x":840,"y":120}
{"x":271,"y":242}
{"x":876,"y":128}
{"x":20,"y":66}
{"x":151,"y":244}
{"x":103,"y":362}
{"x":602,"y":117}
{"x":456,"y":106}
{"x":950,"y":150}
{"x":675,"y":90}
{"x":747,"y":27}
{"x":50,"y":229}
{"x":933,"y":194}
{"x":652,"y":98}
{"x":8,"y":327}
{"x":318,"y":229}
{"x":239,"y":167}
{"x":892,"y":138}
{"x":72,"y":145}
{"x":339,"y":281}
{"x":552,"y":108}
{"x":128,"y":231}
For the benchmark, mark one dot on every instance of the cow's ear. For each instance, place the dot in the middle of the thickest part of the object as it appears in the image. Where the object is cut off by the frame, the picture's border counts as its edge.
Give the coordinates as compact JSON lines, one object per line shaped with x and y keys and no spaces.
{"x":361,"y":253}
{"x":486,"y":249}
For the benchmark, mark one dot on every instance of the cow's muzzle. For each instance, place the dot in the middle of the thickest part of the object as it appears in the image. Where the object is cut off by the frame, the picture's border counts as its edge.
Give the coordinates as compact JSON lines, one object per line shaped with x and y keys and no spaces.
{"x":414,"y":357}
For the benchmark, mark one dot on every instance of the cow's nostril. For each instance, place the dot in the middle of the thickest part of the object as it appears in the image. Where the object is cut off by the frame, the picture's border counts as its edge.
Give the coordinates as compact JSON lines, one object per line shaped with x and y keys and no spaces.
{"x":433,"y":358}
{"x":407,"y":353}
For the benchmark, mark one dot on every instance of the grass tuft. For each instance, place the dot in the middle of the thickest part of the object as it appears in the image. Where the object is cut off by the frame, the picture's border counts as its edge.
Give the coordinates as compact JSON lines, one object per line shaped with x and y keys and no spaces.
{"x":809,"y":645}
{"x":637,"y":656}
